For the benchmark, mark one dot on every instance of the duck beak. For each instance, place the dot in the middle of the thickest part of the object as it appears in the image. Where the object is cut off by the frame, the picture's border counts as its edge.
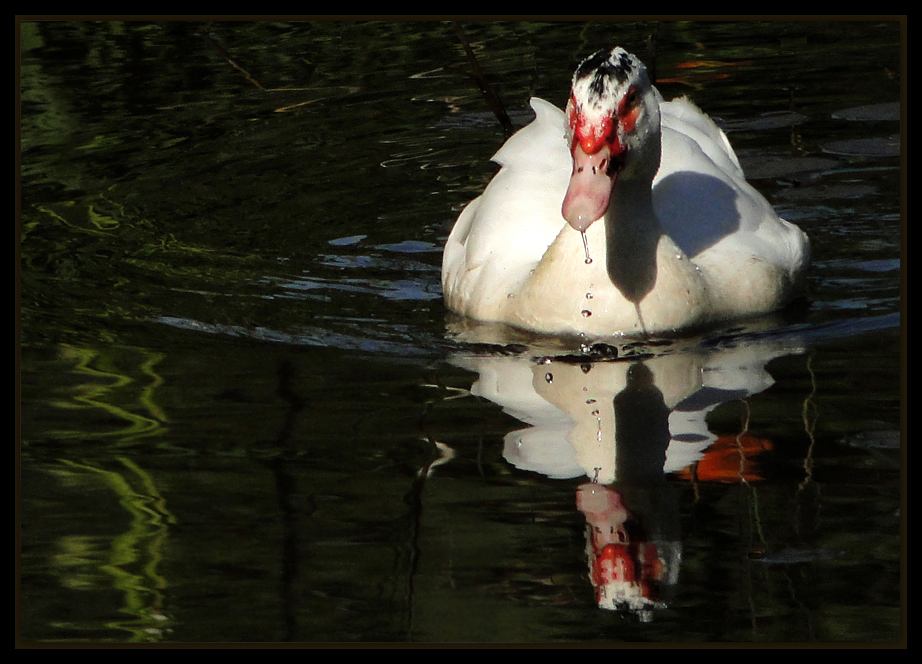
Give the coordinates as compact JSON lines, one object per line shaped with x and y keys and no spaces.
{"x":590,"y":187}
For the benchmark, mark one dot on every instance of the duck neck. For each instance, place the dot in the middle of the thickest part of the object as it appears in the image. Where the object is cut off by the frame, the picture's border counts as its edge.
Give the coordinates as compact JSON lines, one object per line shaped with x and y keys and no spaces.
{"x":632,"y":234}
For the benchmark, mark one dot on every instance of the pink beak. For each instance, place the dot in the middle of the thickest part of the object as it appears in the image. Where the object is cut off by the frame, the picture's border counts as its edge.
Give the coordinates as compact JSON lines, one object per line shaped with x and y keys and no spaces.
{"x":590,"y":187}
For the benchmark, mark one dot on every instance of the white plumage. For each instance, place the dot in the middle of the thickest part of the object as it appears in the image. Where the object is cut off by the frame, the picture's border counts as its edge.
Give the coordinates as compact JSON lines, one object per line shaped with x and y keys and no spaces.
{"x":683,"y":239}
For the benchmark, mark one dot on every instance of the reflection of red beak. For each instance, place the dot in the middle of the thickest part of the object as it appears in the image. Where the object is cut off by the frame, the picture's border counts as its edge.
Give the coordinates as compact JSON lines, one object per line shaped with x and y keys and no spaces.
{"x":628,"y":565}
{"x":614,"y":564}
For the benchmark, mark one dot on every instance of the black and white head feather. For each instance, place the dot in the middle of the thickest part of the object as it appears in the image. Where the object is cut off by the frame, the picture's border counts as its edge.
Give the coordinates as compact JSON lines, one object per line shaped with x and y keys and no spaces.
{"x":603,"y":78}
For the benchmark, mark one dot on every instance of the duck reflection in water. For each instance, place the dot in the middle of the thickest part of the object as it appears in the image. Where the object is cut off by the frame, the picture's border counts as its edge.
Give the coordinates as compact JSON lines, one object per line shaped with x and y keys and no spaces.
{"x":625,"y":425}
{"x":630,"y":567}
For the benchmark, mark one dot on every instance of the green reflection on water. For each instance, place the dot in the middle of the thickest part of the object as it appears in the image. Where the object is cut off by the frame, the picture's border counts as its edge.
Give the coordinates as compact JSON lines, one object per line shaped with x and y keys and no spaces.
{"x":128,"y":562}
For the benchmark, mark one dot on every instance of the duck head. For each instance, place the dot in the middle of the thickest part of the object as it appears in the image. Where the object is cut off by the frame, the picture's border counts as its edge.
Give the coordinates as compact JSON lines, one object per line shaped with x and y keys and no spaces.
{"x":614,"y":132}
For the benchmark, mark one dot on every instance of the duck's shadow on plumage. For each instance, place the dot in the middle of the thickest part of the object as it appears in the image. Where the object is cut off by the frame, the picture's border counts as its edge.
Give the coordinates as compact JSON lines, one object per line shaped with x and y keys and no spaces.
{"x":696,"y":210}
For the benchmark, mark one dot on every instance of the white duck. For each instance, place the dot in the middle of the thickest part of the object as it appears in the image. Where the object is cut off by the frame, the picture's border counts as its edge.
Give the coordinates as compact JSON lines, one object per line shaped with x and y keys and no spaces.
{"x":626,"y":215}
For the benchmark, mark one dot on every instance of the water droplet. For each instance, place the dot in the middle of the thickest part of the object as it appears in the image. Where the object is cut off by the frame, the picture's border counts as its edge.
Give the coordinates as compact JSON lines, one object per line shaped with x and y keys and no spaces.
{"x":549,"y":377}
{"x":586,"y":247}
{"x":595,"y":413}
{"x":588,"y":296}
{"x":586,"y":313}
{"x":590,"y":401}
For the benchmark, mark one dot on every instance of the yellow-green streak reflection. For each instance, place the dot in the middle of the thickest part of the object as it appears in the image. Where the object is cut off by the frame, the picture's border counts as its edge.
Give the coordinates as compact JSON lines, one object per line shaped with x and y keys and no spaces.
{"x":132,"y":558}
{"x":109,"y":386}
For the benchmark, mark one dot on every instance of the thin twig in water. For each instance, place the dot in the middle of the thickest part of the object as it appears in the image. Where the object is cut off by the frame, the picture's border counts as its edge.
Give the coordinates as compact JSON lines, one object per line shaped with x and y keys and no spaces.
{"x":652,"y":52}
{"x":491,"y":98}
{"x":227,"y":56}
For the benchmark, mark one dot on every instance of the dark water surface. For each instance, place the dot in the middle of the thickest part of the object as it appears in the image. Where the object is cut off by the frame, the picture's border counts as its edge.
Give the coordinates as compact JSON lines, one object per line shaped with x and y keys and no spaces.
{"x":245,"y":416}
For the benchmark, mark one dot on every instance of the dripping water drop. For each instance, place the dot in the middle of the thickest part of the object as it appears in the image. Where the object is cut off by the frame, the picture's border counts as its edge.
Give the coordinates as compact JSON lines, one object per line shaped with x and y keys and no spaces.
{"x":586,"y":247}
